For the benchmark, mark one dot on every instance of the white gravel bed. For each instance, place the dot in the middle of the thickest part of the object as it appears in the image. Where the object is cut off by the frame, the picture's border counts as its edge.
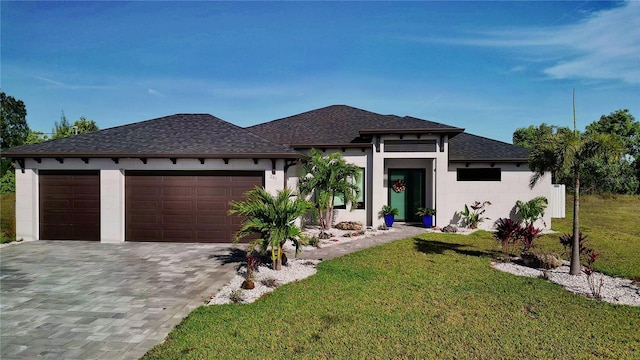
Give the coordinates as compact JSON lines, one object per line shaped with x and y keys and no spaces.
{"x":295,"y":269}
{"x":614,"y":290}
{"x":337,"y":238}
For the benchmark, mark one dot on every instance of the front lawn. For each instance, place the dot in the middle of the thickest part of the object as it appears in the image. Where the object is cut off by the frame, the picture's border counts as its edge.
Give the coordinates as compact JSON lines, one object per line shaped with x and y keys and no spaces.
{"x":434,"y":296}
{"x":7,"y":218}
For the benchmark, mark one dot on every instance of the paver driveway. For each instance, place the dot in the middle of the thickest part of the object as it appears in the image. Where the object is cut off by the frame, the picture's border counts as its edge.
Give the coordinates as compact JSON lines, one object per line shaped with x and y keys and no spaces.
{"x":87,"y":300}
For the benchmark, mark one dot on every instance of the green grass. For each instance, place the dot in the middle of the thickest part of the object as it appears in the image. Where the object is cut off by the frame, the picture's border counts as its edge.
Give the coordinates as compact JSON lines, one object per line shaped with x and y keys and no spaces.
{"x":613,"y":227}
{"x":7,"y":218}
{"x":435,"y":296}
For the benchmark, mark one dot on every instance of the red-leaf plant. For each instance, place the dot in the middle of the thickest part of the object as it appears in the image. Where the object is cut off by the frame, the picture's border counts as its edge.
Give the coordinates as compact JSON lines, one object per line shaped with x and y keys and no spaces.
{"x":508,"y":233}
{"x":529,"y":233}
{"x":594,"y":286}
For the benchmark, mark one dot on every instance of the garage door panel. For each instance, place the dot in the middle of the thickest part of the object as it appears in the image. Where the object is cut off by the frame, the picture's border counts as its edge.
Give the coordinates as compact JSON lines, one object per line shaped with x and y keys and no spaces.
{"x":212,"y":191}
{"x":177,"y":191}
{"x":145,"y":234}
{"x":69,"y":205}
{"x":178,"y":205}
{"x":57,"y":191}
{"x":143,"y":205}
{"x":191,"y":206}
{"x":85,"y":218}
{"x":177,"y":219}
{"x":144,"y":219}
{"x":57,"y":204}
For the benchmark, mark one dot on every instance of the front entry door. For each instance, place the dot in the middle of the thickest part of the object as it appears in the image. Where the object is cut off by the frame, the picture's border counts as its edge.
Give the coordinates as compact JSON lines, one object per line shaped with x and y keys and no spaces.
{"x":406,"y":192}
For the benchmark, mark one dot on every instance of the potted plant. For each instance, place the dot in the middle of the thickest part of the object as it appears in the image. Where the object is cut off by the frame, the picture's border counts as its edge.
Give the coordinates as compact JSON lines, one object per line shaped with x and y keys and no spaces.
{"x":426,"y":214}
{"x":389,"y":214}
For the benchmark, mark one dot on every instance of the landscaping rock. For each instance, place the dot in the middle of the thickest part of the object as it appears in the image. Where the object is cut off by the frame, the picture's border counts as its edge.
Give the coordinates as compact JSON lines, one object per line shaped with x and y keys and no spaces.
{"x":349,"y":225}
{"x":450,"y":229}
{"x":325,"y":235}
{"x":248,"y":284}
{"x":542,"y":260}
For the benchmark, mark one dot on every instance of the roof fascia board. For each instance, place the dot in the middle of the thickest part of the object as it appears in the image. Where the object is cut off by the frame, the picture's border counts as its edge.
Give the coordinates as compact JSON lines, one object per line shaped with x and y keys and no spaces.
{"x":411,"y":131}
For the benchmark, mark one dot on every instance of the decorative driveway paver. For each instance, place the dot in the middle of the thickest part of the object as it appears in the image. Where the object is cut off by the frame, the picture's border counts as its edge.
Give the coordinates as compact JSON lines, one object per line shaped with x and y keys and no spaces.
{"x":87,"y":300}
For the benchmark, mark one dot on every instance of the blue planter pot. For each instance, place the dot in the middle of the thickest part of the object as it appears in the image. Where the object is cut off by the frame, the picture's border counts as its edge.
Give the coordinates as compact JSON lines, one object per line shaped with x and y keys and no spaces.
{"x":427,"y":221}
{"x":388,"y":220}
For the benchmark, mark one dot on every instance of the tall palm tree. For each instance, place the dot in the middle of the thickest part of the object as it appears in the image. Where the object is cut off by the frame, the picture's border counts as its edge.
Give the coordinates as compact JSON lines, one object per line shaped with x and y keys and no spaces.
{"x":272,"y":218}
{"x":568,"y":151}
{"x":326,"y":177}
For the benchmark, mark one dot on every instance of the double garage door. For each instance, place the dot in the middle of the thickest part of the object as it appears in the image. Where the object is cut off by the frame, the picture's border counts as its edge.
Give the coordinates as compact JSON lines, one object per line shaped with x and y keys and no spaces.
{"x":173,"y":206}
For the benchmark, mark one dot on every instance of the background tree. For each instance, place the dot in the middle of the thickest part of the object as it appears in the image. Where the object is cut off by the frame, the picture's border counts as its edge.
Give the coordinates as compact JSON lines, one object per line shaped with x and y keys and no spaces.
{"x":271,"y":217}
{"x":569,"y":152}
{"x":526,"y":137}
{"x":13,"y":126}
{"x":65,"y":129}
{"x":326,"y":177}
{"x":622,"y":176}
{"x":35,"y":137}
{"x":13,"y":121}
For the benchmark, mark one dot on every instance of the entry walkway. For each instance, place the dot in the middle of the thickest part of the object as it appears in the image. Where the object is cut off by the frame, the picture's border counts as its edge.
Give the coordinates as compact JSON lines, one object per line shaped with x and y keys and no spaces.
{"x":401,"y":231}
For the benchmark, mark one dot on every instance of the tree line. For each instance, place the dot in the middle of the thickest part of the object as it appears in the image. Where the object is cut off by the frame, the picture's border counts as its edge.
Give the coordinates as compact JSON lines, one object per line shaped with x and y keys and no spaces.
{"x":15,"y":131}
{"x":599,"y":174}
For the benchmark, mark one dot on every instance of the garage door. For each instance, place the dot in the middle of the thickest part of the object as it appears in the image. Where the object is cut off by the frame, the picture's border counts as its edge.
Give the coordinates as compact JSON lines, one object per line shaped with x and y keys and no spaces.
{"x":183,"y":206}
{"x":69,"y":205}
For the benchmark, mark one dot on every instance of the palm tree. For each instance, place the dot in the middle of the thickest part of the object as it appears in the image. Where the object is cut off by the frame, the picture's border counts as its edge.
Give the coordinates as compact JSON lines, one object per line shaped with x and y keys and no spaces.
{"x":326,"y":177}
{"x":272,"y":218}
{"x":568,"y":152}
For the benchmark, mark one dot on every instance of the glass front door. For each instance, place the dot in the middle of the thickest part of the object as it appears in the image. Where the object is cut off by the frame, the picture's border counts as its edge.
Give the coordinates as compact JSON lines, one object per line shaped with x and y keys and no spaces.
{"x":406,"y":192}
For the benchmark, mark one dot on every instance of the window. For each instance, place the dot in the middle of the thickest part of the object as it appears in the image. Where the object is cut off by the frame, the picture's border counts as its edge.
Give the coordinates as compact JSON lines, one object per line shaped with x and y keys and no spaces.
{"x":479,"y":174}
{"x":409,"y":146}
{"x":338,"y":200}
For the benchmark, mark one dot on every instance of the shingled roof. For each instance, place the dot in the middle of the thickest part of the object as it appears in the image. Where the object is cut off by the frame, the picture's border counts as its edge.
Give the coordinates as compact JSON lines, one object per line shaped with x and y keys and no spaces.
{"x":340,"y":125}
{"x":469,"y":147}
{"x":180,"y":135}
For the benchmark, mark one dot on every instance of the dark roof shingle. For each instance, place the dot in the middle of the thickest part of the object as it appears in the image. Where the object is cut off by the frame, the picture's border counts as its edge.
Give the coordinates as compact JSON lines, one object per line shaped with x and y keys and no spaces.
{"x":469,"y":147}
{"x":340,"y":125}
{"x":201,"y":135}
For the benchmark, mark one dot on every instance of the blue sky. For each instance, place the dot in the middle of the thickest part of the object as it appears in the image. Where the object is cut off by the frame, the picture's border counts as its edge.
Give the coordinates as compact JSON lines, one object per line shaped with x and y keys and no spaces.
{"x":489,"y":67}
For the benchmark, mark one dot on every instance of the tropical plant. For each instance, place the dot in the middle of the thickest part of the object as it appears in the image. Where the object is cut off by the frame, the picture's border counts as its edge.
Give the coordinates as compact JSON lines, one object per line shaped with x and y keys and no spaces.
{"x":528,"y":234}
{"x":594,"y":286}
{"x":326,"y":177}
{"x":568,"y":151}
{"x":388,"y":210}
{"x":473,"y":218}
{"x":566,"y":240}
{"x":508,"y":233}
{"x":425,"y":211}
{"x":272,"y":218}
{"x":532,"y":210}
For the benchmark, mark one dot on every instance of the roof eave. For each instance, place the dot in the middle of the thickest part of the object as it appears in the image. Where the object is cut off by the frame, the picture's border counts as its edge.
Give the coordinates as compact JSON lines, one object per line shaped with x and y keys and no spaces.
{"x":508,"y":160}
{"x":332,"y":146}
{"x":411,"y":131}
{"x":291,"y":155}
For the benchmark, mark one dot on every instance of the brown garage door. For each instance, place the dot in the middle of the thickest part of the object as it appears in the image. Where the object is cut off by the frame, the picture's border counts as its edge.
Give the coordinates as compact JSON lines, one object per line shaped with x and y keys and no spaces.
{"x":69,"y":205}
{"x":184,"y":206}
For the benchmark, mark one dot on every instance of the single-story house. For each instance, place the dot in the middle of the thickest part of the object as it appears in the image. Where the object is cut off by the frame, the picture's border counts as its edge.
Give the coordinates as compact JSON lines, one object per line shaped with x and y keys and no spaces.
{"x":172,"y":178}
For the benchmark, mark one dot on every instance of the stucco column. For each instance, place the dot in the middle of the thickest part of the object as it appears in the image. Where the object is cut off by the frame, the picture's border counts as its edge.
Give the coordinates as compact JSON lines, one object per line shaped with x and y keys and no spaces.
{"x":378,"y":187}
{"x":112,"y":206}
{"x":27,"y":208}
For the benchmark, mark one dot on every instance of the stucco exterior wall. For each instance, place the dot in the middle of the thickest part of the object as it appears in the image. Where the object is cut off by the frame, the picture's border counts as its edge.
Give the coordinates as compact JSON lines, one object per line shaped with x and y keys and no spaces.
{"x":112,"y":187}
{"x":503,"y":194}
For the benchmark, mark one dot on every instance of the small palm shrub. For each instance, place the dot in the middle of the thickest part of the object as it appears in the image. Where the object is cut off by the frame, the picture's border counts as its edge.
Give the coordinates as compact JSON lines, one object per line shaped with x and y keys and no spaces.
{"x":271,"y":217}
